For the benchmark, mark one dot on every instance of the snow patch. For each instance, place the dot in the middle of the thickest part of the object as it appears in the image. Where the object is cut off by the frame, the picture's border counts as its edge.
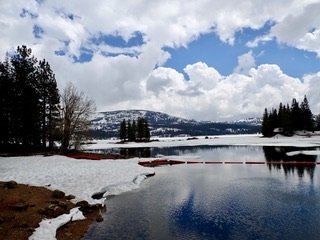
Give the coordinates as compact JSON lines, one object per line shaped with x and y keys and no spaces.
{"x":81,"y":178}
{"x":306,"y":152}
{"x":48,"y":227}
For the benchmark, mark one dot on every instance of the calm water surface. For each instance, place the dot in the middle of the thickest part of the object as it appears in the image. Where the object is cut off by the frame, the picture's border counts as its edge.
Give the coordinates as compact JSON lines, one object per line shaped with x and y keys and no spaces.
{"x":220,"y":201}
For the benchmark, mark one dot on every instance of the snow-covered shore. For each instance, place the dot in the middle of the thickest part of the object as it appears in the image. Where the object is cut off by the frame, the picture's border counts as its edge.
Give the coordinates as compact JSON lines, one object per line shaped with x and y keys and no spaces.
{"x":81,"y":178}
{"x":234,"y":140}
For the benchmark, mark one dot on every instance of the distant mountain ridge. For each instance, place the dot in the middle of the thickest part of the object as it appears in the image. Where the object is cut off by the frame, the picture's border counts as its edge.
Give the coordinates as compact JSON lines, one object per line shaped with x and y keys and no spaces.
{"x":106,"y":124}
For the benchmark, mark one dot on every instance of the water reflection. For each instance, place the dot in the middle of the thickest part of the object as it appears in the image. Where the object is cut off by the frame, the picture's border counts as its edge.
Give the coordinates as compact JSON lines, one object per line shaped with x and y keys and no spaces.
{"x":214,"y":202}
{"x":278,"y":159}
{"x":135,"y":152}
{"x":203,"y":153}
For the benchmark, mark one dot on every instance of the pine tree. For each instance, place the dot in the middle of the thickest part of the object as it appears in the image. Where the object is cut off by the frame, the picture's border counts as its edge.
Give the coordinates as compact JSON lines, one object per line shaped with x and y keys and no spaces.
{"x":296,"y":115}
{"x":123,"y":130}
{"x":133,"y":132}
{"x":146,"y":131}
{"x":317,"y":123}
{"x":265,"y":128}
{"x":49,"y":101}
{"x":129,"y":131}
{"x":287,"y":120}
{"x":27,"y":107}
{"x":140,"y":129}
{"x":6,"y":103}
{"x":306,"y":115}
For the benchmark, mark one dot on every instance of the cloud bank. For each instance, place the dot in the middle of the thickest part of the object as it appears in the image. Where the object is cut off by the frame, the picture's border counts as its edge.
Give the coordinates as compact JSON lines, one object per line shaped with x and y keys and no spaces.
{"x":115,"y":51}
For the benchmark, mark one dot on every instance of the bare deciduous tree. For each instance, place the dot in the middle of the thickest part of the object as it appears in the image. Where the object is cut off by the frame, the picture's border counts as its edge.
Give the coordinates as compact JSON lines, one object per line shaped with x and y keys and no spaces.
{"x":76,"y":111}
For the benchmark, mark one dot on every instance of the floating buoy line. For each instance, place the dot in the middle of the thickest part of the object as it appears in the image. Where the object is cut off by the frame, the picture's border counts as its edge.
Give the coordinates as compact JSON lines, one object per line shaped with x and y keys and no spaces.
{"x":160,"y":162}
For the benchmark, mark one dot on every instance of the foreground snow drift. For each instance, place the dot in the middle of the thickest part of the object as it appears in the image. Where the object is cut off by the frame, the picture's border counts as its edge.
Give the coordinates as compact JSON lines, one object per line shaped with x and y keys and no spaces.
{"x":48,"y":227}
{"x":81,"y":178}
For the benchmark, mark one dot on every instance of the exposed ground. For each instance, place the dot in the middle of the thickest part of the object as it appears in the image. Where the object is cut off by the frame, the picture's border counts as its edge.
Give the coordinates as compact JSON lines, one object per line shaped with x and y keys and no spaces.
{"x":22,"y":208}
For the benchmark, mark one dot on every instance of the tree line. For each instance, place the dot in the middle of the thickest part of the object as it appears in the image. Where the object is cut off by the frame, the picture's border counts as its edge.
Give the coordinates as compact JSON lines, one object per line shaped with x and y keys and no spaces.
{"x":33,"y":114}
{"x":287,"y":119}
{"x":135,"y":130}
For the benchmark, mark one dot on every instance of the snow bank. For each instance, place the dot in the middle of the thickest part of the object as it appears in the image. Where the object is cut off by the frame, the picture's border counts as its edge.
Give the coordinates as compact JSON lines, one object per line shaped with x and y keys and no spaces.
{"x":304,"y":152}
{"x":48,"y":227}
{"x":81,"y":178}
{"x":235,"y":140}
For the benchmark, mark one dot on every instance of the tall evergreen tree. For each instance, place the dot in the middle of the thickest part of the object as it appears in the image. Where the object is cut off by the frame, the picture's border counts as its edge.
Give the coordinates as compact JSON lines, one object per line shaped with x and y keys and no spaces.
{"x":287,"y":124}
{"x":123,"y":130}
{"x":133,"y":131}
{"x":289,"y":119}
{"x":296,"y":115}
{"x":140,"y":129}
{"x":317,"y":123}
{"x":129,"y":131}
{"x":6,"y":103}
{"x":146,"y":131}
{"x":306,"y":115}
{"x":265,"y":128}
{"x":27,"y":107}
{"x":49,"y":101}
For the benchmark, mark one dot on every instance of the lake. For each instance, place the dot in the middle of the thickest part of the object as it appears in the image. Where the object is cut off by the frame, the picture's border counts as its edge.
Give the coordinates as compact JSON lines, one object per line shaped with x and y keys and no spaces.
{"x":205,"y":201}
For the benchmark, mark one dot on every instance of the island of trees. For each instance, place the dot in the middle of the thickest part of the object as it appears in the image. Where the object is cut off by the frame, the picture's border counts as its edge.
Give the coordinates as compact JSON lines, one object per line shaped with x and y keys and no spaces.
{"x":33,"y":113}
{"x":288,"y":119}
{"x":135,"y":130}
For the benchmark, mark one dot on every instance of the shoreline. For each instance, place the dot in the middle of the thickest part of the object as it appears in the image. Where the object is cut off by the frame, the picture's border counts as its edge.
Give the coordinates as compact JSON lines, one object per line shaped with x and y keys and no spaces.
{"x":23,"y":207}
{"x":81,"y":178}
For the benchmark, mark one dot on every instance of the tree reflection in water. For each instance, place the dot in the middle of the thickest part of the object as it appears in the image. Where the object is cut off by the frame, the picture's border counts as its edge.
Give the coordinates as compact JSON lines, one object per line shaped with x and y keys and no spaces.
{"x":136,"y":152}
{"x":278,"y":159}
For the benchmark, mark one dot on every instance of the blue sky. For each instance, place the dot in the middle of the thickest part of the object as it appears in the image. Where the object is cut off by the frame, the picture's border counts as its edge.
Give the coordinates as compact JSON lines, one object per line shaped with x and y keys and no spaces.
{"x":206,"y":60}
{"x":210,"y":49}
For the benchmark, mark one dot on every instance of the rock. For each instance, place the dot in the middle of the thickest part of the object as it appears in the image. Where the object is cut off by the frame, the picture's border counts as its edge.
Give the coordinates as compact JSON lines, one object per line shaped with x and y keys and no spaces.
{"x":59,"y":203}
{"x":150,"y":175}
{"x":99,"y":218}
{"x":58,"y":194}
{"x":82,"y":204}
{"x":86,"y":208}
{"x":52,"y":211}
{"x":62,"y":205}
{"x":69,"y":197}
{"x":11,"y":184}
{"x":98,"y":195}
{"x":20,"y":207}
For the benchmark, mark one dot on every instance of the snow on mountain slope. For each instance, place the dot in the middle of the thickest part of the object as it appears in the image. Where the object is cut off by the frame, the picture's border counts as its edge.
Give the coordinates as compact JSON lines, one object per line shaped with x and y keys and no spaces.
{"x":106,"y":124}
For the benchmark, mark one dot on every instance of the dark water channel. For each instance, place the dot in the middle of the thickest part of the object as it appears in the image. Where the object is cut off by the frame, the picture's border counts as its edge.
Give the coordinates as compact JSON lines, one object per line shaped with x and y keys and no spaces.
{"x":271,"y":201}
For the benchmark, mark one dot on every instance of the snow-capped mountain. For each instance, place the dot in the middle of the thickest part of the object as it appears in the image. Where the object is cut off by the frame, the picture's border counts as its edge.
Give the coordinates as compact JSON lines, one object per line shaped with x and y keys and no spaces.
{"x":252,"y":121}
{"x":106,"y":124}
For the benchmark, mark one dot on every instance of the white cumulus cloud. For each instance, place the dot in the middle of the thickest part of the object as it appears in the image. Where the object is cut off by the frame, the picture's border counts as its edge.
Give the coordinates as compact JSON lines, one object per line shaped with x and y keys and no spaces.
{"x":134,"y":76}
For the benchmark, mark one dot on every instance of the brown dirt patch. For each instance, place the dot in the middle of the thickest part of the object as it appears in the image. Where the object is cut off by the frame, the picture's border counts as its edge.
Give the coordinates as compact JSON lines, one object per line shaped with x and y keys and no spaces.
{"x":22,"y":208}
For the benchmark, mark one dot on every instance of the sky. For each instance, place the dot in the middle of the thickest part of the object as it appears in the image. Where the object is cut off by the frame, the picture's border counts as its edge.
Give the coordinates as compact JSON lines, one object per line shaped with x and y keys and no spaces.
{"x":198,"y":59}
